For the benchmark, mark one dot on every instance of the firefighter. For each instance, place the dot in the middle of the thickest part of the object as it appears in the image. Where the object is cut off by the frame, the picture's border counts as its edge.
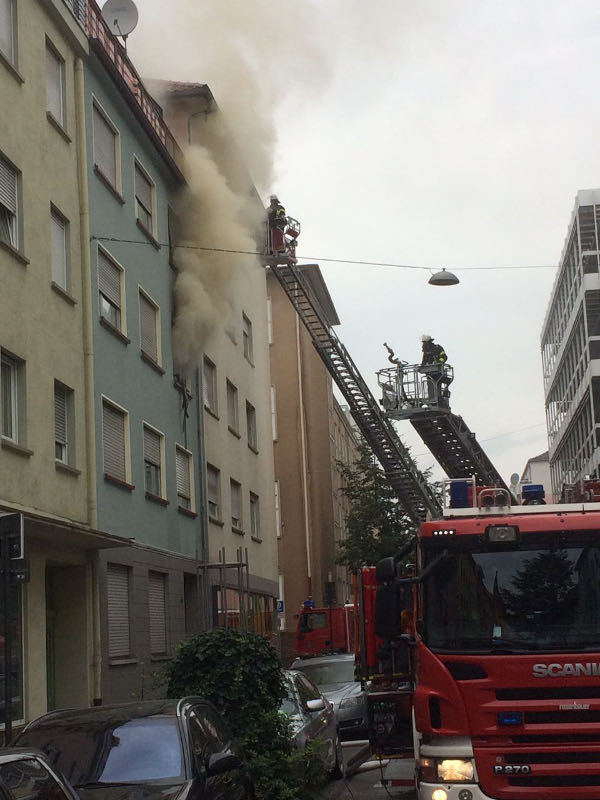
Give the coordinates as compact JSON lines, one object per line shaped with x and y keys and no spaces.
{"x":276,"y":213}
{"x":432,"y":353}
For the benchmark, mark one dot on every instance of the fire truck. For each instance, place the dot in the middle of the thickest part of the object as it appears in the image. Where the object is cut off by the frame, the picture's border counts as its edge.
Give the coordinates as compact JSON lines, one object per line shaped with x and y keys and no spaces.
{"x":501,"y":653}
{"x":326,"y":629}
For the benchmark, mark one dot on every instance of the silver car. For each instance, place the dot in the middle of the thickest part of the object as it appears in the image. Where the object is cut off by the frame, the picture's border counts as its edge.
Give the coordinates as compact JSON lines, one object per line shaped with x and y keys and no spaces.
{"x":312,"y":717}
{"x":334,"y":675}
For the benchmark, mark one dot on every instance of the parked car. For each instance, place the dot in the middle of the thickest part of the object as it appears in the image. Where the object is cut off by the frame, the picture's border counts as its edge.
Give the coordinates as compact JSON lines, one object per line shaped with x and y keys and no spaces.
{"x":26,"y":773}
{"x":334,"y":675}
{"x":163,"y":749}
{"x":313,"y":718}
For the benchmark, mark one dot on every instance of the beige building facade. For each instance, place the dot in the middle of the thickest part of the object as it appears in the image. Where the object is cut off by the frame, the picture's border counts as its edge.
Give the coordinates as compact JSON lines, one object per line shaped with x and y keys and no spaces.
{"x":312,"y":433}
{"x":46,"y":385}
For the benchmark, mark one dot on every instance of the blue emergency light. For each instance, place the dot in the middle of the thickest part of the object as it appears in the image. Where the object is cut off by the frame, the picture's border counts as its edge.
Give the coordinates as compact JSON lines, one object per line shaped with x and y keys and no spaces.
{"x":532,"y":494}
{"x":510,"y":718}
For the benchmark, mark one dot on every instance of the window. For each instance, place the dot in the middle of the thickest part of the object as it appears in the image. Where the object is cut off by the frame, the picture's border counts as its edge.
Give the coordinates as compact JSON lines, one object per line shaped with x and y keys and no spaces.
{"x":251,"y":426}
{"x":153,"y":444}
{"x":117,"y":594}
{"x":236,"y":504}
{"x":55,"y":96}
{"x":7,"y":29}
{"x":277,"y":510}
{"x":214,"y":492}
{"x":273,"y":414}
{"x":209,"y":385}
{"x":110,"y":278}
{"x":9,"y":231}
{"x":254,"y":516}
{"x":233,"y":421}
{"x":106,"y":147}
{"x":157,"y":594}
{"x":144,"y":199}
{"x":58,"y":244}
{"x":115,"y":441}
{"x":184,"y":478}
{"x":12,"y":389}
{"x":247,"y":338}
{"x":63,"y":429}
{"x":149,"y":329}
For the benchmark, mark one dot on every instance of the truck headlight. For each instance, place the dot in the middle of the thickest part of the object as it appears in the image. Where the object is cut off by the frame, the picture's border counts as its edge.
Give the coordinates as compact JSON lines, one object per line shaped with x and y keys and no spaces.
{"x":446,"y":770}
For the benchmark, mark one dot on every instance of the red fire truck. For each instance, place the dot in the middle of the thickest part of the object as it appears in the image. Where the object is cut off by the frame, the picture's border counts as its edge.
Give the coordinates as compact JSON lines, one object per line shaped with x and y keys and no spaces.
{"x":327,"y":629}
{"x":502,"y":653}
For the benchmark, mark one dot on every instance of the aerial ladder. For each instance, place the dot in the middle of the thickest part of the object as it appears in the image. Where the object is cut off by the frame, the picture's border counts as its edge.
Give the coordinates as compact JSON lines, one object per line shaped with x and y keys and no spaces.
{"x":420,"y":394}
{"x":415,"y":494}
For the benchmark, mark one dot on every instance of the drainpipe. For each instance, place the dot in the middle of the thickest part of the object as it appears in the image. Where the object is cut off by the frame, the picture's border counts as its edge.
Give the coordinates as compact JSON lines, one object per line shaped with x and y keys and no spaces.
{"x":304,"y":462}
{"x":202,"y":539}
{"x":88,"y":367}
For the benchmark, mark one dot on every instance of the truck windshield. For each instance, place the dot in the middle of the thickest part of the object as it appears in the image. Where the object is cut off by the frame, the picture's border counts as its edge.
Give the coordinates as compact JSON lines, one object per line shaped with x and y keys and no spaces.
{"x":544,"y":596}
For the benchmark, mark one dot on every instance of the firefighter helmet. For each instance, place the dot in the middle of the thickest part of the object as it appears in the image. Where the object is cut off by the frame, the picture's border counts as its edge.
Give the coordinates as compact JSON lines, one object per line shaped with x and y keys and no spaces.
{"x":426,"y":338}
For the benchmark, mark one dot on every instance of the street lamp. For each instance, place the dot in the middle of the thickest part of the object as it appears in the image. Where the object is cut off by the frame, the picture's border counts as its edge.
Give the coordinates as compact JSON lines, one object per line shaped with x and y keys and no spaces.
{"x":443,"y":278}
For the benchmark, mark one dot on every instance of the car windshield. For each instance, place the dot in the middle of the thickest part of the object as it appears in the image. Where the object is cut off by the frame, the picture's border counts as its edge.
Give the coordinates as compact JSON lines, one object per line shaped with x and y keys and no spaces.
{"x":143,"y":749}
{"x":331,"y":673}
{"x":543,"y":596}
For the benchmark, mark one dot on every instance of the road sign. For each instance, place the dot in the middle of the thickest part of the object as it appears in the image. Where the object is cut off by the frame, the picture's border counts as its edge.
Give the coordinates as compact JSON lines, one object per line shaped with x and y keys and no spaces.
{"x":280,"y":606}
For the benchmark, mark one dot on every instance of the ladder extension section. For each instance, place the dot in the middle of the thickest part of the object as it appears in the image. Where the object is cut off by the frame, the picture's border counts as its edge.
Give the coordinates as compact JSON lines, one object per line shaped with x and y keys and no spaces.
{"x":414,"y":492}
{"x":456,"y":449}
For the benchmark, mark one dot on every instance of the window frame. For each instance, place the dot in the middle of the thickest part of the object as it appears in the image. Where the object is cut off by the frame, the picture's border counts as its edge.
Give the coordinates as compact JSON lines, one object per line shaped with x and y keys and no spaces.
{"x":10,"y":203}
{"x":144,"y":297}
{"x":218,"y":502}
{"x":151,"y":213}
{"x":255,"y":516}
{"x":235,"y":490}
{"x":116,"y":185}
{"x":247,"y":339}
{"x":58,"y":219}
{"x":188,"y":469}
{"x":8,"y":363}
{"x":233,"y":411}
{"x":11,"y":56}
{"x":52,"y":52}
{"x":163,"y":580}
{"x":123,"y":604}
{"x":159,"y":468}
{"x":69,"y":427}
{"x":126,"y":480}
{"x":209,"y":387}
{"x":121,"y":326}
{"x":251,"y":429}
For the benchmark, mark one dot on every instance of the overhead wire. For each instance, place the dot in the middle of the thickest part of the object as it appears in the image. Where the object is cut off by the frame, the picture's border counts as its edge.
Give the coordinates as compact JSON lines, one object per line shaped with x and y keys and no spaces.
{"x":321,"y":259}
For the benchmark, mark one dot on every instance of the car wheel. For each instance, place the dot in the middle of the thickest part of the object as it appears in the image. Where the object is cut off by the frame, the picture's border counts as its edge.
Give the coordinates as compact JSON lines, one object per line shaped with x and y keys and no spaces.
{"x":338,"y":770}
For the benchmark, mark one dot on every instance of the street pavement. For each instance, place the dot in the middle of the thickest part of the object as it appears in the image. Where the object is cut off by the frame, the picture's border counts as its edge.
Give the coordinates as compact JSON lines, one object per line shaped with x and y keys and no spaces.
{"x":362,"y":785}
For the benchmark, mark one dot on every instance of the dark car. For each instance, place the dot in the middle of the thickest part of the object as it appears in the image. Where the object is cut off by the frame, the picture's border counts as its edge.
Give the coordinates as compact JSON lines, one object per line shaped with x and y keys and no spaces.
{"x":25,"y":773}
{"x":163,"y":749}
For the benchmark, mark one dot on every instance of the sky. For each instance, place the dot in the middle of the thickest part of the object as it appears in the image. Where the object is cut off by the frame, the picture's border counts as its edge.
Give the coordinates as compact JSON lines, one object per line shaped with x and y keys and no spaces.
{"x":438,"y":133}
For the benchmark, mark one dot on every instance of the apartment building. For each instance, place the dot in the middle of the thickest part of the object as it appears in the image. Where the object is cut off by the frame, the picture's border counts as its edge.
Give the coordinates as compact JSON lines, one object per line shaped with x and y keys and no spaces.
{"x":233,"y":354}
{"x":44,"y":469}
{"x":312,"y":434}
{"x":570,"y":344}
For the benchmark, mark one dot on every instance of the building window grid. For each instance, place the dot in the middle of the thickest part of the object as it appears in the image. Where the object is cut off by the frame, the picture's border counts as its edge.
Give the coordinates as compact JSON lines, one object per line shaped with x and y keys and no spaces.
{"x":153,"y":444}
{"x":567,"y":380}
{"x":571,"y":460}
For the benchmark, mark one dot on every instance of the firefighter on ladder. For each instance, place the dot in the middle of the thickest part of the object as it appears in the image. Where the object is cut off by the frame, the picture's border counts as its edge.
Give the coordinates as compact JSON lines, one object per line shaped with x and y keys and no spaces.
{"x":432,"y":364}
{"x":277,"y":221}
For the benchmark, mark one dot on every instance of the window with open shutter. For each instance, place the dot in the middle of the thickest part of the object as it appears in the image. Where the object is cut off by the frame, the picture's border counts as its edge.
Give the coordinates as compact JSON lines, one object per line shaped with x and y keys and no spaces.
{"x":183,"y":464}
{"x":152,"y":461}
{"x":58,"y":244}
{"x":109,"y":285}
{"x":236,"y":504}
{"x":232,"y":407}
{"x":214,"y":494}
{"x":157,"y":590}
{"x":143,"y":198}
{"x":60,"y":423}
{"x":7,"y":42}
{"x":117,"y":593}
{"x":8,"y":204}
{"x":113,"y":441}
{"x":105,"y":147}
{"x":54,"y":85}
{"x":148,"y":328}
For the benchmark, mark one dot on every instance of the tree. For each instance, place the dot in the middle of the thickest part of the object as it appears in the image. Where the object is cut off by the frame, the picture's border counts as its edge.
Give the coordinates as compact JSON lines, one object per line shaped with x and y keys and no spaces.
{"x":376,"y":524}
{"x":240,"y":673}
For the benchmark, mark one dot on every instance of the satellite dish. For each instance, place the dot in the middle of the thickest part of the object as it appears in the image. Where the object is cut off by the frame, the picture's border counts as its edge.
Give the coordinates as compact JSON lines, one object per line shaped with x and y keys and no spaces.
{"x":121,"y":16}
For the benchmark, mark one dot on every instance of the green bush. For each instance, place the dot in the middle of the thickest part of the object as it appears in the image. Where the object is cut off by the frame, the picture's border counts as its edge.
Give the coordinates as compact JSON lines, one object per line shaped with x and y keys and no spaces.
{"x":241,"y":675}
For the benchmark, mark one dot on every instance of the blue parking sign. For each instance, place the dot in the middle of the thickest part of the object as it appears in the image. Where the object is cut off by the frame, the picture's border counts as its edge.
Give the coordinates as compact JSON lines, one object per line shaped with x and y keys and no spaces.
{"x":280,"y":606}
